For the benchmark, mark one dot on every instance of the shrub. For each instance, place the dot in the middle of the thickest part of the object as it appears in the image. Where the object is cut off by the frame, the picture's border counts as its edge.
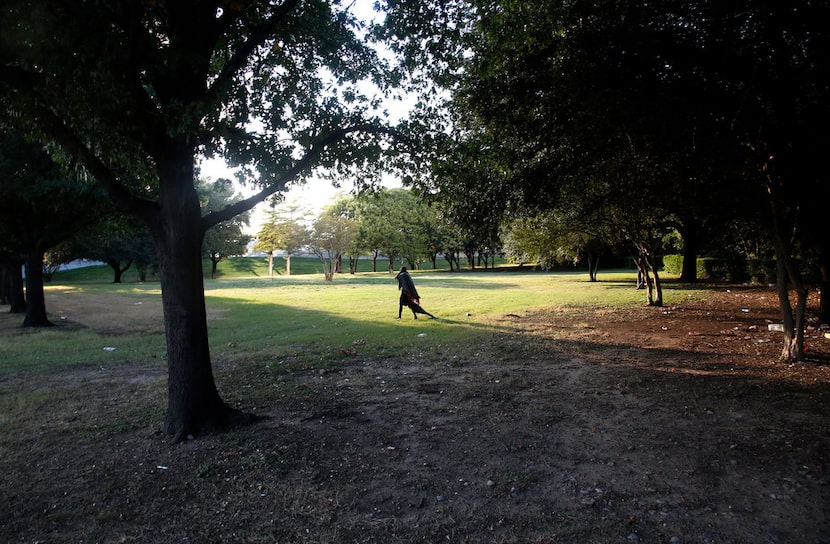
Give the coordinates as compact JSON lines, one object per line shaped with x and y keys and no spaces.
{"x":710,"y":268}
{"x":673,"y":264}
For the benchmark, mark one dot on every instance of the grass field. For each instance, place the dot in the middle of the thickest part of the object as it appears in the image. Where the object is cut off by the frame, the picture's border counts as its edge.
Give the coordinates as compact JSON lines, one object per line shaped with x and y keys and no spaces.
{"x":300,"y":318}
{"x":540,"y":407}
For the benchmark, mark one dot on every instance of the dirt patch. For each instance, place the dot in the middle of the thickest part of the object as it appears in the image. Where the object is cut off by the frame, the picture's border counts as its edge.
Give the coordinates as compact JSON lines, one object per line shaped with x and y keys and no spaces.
{"x":672,"y":425}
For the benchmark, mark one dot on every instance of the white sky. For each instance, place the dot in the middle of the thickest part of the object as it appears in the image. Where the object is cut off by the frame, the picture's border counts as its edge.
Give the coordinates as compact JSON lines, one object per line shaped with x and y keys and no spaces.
{"x":314,"y":195}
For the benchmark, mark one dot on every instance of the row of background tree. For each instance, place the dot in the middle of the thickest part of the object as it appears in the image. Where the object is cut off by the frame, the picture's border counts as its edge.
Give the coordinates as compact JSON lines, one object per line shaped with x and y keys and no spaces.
{"x":626,"y":121}
{"x":50,"y":216}
{"x":392,"y":225}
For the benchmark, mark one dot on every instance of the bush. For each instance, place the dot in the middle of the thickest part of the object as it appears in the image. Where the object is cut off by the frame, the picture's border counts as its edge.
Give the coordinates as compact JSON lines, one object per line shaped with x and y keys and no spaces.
{"x":710,"y":268}
{"x":673,"y":264}
{"x":733,"y":270}
{"x":761,"y":270}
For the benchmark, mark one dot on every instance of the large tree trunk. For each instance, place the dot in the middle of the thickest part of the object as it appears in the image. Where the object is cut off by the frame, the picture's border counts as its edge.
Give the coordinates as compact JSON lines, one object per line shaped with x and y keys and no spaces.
{"x":787,"y":275}
{"x":691,"y":247}
{"x":194,"y":405}
{"x":593,"y":265}
{"x":14,"y":283}
{"x":643,"y":278}
{"x":657,"y":299}
{"x":793,"y":323}
{"x":35,"y":300}
{"x":824,"y":285}
{"x":5,"y":283}
{"x":117,"y":270}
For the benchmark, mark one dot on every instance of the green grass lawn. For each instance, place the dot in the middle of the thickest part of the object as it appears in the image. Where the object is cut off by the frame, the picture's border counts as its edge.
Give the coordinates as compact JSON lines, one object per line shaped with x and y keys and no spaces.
{"x":296,"y":320}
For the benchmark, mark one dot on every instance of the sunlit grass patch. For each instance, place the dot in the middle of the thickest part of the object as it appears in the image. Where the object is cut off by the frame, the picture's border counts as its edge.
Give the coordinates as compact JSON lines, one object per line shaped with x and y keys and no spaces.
{"x":303,"y":318}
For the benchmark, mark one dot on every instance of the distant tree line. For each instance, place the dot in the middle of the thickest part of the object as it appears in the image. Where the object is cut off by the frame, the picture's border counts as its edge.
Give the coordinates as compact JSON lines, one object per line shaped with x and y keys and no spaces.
{"x":49,"y":217}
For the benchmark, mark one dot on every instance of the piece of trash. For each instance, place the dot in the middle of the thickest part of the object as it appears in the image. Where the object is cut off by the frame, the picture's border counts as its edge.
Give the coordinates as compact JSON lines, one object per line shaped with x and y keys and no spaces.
{"x":422,"y":335}
{"x":827,"y":335}
{"x":161,"y":467}
{"x":775,"y":327}
{"x":664,"y":328}
{"x":745,"y":310}
{"x":108,"y":348}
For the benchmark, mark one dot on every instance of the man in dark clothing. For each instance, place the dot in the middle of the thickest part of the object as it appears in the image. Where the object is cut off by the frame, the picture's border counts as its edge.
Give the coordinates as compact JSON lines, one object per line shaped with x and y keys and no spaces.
{"x":409,"y":295}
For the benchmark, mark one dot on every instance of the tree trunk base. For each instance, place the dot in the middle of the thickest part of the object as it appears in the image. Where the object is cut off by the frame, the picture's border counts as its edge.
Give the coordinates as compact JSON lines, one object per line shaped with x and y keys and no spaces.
{"x":223,"y":419}
{"x":37,"y":322}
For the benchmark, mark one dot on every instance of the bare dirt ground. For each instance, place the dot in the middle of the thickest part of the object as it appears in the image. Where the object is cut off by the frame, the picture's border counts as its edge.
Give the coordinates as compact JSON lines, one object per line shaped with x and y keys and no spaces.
{"x":573,"y":426}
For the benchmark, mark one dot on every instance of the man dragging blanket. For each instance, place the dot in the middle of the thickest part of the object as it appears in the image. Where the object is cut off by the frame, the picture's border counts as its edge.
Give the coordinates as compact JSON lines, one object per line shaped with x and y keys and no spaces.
{"x":409,"y":295}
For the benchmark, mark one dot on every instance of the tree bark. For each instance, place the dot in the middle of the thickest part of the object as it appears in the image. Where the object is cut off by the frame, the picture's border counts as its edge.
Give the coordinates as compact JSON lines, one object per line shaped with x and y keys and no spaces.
{"x":824,"y":285}
{"x":593,"y":265}
{"x":194,"y":404}
{"x":787,"y":275}
{"x":657,"y":299}
{"x":16,"y":295}
{"x":5,"y":283}
{"x":642,"y":273}
{"x":117,"y":270}
{"x":35,"y":299}
{"x":691,"y":245}
{"x":793,"y":322}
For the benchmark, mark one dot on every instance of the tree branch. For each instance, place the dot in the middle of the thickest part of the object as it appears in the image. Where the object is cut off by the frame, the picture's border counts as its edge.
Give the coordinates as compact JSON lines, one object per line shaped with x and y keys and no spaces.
{"x":240,"y":57}
{"x":53,"y":126}
{"x":303,"y":164}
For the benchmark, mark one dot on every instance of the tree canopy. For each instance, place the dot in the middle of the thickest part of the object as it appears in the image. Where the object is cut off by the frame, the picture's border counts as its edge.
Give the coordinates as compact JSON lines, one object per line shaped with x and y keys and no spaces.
{"x":280,"y":233}
{"x":226,"y":238}
{"x":135,"y":93}
{"x":41,"y":205}
{"x":657,"y":115}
